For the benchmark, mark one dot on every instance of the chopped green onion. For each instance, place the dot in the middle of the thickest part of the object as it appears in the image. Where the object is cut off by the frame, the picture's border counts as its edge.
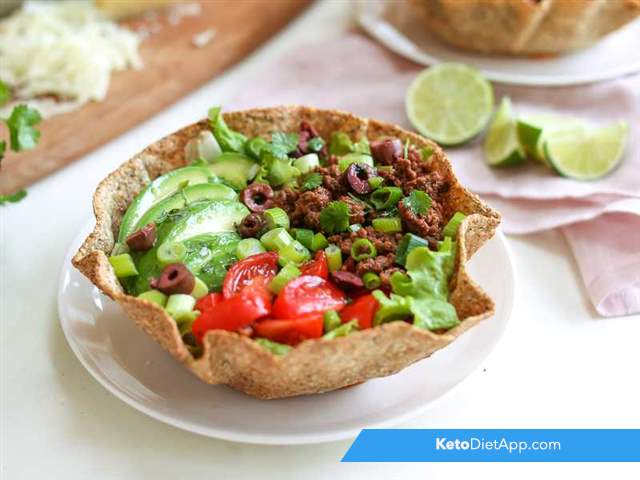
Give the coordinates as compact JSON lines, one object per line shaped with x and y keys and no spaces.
{"x":307,"y":162}
{"x":123,"y":265}
{"x":185,"y":324}
{"x":284,"y":276}
{"x":319,"y":241}
{"x":426,"y":153}
{"x":294,"y":252}
{"x":276,"y":217}
{"x":274,"y":347}
{"x":334,"y":257}
{"x":315,"y":144}
{"x":342,"y":331}
{"x":387,"y":224}
{"x":386,"y":197}
{"x":200,"y":289}
{"x":171,"y":252}
{"x":247,"y":247}
{"x":385,"y":168}
{"x":154,"y":296}
{"x":179,"y":305}
{"x":355,"y":227}
{"x":406,"y":149}
{"x":394,"y":308}
{"x":363,"y":249}
{"x":400,"y":282}
{"x":408,"y":243}
{"x":331,"y":320}
{"x":451,"y":228}
{"x":350,"y":158}
{"x":375,"y":182}
{"x":304,"y":236}
{"x":340,"y":144}
{"x":276,"y":239}
{"x":371,"y":280}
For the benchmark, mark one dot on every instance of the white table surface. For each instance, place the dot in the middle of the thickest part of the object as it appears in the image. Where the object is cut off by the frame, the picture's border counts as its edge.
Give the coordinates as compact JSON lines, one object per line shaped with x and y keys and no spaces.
{"x":558,"y":364}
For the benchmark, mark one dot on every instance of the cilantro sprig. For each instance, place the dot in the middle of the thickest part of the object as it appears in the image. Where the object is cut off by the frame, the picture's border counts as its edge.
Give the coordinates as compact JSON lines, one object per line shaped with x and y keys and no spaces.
{"x":22,"y":134}
{"x":334,"y":217}
{"x":21,"y":124}
{"x":417,"y":202}
{"x":13,"y":198}
{"x":311,"y":181}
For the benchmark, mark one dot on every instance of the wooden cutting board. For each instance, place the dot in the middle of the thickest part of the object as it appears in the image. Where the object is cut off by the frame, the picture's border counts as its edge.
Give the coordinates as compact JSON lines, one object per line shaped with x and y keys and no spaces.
{"x":173,"y":66}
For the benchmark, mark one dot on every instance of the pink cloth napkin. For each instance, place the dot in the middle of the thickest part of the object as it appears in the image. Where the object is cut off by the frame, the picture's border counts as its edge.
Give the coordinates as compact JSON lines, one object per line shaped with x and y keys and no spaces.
{"x":601,"y":220}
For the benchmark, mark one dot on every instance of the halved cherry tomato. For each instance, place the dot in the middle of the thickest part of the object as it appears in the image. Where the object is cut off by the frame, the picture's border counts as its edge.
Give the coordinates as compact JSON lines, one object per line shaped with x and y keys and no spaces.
{"x":307,"y":294}
{"x":291,"y":332}
{"x":362,"y":309}
{"x":243,"y":272}
{"x":209,"y":301}
{"x":242,"y":309}
{"x":318,"y":266}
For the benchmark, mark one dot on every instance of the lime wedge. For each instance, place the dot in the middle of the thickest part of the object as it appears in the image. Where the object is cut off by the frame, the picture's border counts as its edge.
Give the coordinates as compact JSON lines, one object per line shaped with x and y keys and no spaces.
{"x":501,"y":147}
{"x":588,"y":154}
{"x":533,"y":129}
{"x":449,"y":103}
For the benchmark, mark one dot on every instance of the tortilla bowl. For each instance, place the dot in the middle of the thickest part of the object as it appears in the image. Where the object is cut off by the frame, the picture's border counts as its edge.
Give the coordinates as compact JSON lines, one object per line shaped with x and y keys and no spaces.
{"x":313,"y":366}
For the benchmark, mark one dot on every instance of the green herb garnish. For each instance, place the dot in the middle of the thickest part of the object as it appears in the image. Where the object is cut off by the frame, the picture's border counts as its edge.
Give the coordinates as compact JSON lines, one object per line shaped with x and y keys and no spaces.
{"x":3,"y":147}
{"x":417,"y":202}
{"x":315,"y":144}
{"x":21,"y":128}
{"x":311,"y":181}
{"x":13,"y":198}
{"x":335,"y":217}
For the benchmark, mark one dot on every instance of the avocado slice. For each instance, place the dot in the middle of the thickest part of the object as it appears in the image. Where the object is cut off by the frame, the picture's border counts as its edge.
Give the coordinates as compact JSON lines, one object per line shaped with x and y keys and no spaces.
{"x":208,"y":257}
{"x":186,"y":196}
{"x":235,"y":168}
{"x":162,"y":187}
{"x":204,"y":217}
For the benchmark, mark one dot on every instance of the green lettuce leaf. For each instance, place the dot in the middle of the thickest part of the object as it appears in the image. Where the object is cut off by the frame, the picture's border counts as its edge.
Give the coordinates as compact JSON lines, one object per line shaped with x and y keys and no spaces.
{"x":229,"y":140}
{"x":424,"y":289}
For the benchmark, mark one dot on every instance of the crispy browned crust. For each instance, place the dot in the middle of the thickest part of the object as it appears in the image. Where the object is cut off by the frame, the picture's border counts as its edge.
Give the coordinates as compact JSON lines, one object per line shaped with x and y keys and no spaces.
{"x":315,"y":365}
{"x":524,"y":27}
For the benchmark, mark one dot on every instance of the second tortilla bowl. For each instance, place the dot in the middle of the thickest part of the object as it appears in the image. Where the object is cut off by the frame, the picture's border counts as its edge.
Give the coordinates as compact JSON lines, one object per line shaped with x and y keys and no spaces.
{"x":313,"y":365}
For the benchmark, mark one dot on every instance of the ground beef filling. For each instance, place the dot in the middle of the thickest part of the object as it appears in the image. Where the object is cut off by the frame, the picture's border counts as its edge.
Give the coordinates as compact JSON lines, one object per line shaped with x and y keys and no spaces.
{"x":409,"y":174}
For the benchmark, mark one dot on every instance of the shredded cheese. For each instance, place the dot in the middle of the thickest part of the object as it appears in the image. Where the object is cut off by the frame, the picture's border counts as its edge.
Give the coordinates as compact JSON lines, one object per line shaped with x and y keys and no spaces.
{"x":65,"y":49}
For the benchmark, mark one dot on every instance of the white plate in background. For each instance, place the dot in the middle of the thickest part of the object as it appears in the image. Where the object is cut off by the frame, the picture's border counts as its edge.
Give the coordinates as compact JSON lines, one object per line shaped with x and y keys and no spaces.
{"x":392,"y":24}
{"x":139,"y":372}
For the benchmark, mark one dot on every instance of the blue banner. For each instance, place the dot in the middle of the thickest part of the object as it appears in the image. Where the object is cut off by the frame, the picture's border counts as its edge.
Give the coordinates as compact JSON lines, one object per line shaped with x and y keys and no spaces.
{"x":493,"y":445}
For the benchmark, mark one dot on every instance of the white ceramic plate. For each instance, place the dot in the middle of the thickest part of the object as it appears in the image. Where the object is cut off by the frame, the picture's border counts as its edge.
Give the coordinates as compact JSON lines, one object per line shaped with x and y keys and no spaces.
{"x":136,"y":370}
{"x":616,"y":55}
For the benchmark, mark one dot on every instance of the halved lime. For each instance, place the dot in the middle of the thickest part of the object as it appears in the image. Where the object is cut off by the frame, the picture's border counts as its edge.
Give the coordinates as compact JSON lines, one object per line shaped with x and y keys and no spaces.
{"x":501,"y":147}
{"x":533,"y":129}
{"x":589,"y":155}
{"x":449,"y":103}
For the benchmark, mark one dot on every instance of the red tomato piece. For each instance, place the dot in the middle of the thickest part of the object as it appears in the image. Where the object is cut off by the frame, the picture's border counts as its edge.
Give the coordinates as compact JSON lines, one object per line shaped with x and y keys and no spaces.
{"x":244,"y":308}
{"x":209,"y":301}
{"x":318,"y":266}
{"x":291,"y":332}
{"x":307,"y":294}
{"x":243,"y":272}
{"x":362,"y":309}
